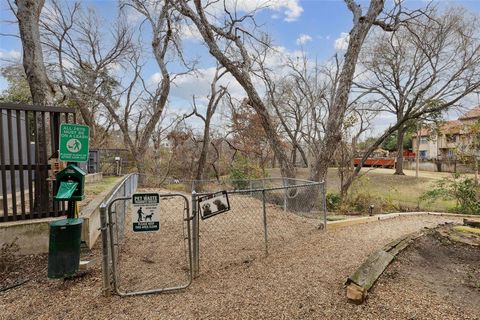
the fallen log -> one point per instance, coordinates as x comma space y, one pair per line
367, 274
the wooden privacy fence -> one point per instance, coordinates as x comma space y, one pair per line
29, 136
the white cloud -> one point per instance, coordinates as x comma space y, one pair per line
341, 43
303, 39
10, 55
291, 9
187, 85
198, 83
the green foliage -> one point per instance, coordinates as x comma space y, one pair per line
244, 169
334, 200
363, 145
17, 86
390, 143
459, 188
361, 197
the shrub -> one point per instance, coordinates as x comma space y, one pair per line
243, 170
334, 200
459, 188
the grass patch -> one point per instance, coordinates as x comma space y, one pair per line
98, 187
388, 192
336, 218
467, 229
176, 187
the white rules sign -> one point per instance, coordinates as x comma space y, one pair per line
146, 212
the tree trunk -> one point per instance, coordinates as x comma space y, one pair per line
204, 152
87, 116
361, 27
476, 169
417, 151
28, 14
399, 163
294, 156
141, 168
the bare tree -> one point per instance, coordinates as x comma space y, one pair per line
291, 95
226, 42
228, 37
27, 13
423, 68
87, 58
84, 58
357, 122
214, 98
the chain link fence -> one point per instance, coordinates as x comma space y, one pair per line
264, 215
153, 260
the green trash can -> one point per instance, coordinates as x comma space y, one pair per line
64, 248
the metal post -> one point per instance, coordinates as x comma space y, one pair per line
324, 205
265, 231
112, 244
105, 265
195, 236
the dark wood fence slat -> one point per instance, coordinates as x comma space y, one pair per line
18, 135
36, 200
45, 204
54, 128
29, 164
3, 171
11, 159
20, 162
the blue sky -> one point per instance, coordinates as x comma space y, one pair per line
315, 26
321, 21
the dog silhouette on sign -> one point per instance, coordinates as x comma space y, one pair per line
206, 209
220, 205
149, 216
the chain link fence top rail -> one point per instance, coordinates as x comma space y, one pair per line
264, 215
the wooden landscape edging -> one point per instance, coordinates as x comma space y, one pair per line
365, 277
366, 219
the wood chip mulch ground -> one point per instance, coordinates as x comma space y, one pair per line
302, 279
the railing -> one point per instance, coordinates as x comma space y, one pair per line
29, 136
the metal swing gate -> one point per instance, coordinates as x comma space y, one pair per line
147, 262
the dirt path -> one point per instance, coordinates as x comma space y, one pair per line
301, 280
433, 270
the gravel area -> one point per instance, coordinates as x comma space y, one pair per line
301, 279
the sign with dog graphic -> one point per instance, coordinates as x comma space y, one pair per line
213, 204
146, 212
